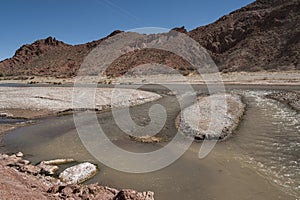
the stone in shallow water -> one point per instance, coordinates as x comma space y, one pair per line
211, 117
19, 154
78, 173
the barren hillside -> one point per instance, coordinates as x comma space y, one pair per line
264, 35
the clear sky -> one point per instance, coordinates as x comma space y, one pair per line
80, 21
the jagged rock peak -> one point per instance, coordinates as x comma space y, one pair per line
114, 33
49, 41
180, 29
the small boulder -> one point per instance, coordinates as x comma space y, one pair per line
132, 194
13, 160
24, 162
30, 169
48, 169
19, 154
3, 156
78, 173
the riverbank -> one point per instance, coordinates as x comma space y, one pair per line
239, 78
22, 180
49, 100
31, 103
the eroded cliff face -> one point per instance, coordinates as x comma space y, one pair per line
265, 35
48, 57
262, 35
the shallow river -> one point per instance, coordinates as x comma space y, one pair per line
261, 160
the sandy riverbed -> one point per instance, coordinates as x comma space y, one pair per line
58, 99
254, 78
36, 102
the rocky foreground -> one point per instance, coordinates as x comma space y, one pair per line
205, 120
22, 180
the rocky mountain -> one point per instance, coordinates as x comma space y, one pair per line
265, 35
48, 57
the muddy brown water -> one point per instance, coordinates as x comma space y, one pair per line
259, 161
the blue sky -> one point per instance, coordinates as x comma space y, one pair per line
80, 21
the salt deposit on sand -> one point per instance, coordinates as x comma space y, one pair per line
58, 99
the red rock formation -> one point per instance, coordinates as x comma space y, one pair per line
264, 35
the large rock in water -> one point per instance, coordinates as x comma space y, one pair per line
78, 173
207, 120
